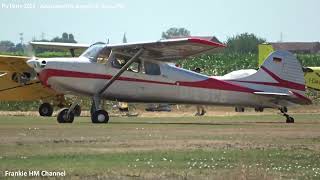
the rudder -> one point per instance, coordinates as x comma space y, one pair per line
284, 65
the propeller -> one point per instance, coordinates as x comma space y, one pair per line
28, 51
32, 62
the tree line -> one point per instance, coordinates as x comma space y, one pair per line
9, 46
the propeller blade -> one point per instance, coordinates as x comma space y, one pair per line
28, 50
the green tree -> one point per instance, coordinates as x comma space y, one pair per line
19, 47
71, 38
175, 33
124, 39
65, 38
7, 46
244, 43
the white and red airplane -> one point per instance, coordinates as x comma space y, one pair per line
144, 72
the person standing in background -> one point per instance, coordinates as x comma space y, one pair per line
200, 108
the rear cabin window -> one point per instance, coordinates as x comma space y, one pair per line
151, 68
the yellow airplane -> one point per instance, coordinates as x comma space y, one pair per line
311, 76
18, 82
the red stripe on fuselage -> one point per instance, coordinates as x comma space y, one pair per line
303, 98
209, 83
280, 83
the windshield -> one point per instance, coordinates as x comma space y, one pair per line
93, 51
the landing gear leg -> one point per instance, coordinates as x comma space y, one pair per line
67, 115
77, 110
284, 111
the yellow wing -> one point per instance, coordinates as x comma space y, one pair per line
13, 90
313, 78
13, 63
33, 90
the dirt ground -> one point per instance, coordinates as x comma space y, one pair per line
183, 111
245, 145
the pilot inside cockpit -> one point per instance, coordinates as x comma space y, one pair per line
118, 63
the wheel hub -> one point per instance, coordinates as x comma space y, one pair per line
101, 117
45, 110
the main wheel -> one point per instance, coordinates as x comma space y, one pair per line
77, 110
239, 109
45, 109
100, 116
290, 120
258, 109
64, 118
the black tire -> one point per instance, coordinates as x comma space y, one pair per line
239, 109
45, 109
290, 120
62, 116
100, 116
258, 109
77, 110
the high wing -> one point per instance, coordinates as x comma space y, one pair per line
290, 96
167, 50
162, 50
14, 63
62, 46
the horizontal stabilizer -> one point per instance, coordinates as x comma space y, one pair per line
271, 94
290, 96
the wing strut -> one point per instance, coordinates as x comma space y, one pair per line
125, 67
97, 96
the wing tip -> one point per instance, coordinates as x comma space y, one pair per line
206, 42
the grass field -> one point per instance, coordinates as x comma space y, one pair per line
217, 147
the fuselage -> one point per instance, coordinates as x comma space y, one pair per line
80, 76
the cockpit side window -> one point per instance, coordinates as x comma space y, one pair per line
119, 61
151, 68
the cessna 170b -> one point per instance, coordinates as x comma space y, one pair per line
145, 72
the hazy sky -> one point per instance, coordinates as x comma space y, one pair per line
97, 20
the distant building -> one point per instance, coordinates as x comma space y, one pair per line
294, 47
297, 47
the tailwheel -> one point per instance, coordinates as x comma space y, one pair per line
284, 111
63, 116
100, 116
45, 109
77, 110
